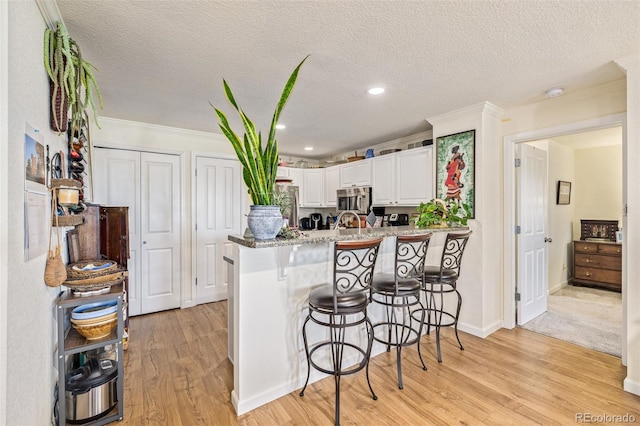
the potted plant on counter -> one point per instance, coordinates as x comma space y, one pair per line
438, 213
259, 164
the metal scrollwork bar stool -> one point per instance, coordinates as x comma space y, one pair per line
340, 306
399, 293
440, 280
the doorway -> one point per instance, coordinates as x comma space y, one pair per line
510, 270
590, 163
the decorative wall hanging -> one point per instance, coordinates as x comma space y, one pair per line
563, 195
455, 169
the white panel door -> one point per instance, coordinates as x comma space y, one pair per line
149, 184
160, 231
532, 219
116, 175
218, 214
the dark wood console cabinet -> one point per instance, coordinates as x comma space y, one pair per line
597, 264
105, 235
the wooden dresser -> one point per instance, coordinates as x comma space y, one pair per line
597, 264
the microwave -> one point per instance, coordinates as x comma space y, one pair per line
356, 199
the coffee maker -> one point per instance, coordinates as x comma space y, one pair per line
315, 220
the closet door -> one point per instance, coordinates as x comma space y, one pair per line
116, 182
219, 191
160, 232
149, 184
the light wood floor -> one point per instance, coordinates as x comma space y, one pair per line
177, 373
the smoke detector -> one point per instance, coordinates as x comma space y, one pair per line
554, 92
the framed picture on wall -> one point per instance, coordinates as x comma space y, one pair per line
564, 192
455, 169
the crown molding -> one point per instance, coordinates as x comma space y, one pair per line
156, 127
628, 62
50, 12
476, 109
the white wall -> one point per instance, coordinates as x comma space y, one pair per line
31, 335
560, 162
481, 275
598, 185
4, 249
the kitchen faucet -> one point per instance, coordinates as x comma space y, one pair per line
347, 212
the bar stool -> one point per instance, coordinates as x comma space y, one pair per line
440, 280
339, 306
399, 293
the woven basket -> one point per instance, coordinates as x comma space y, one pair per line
73, 273
92, 286
93, 332
112, 276
65, 183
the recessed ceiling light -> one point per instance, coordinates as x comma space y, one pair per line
280, 126
554, 92
308, 148
376, 90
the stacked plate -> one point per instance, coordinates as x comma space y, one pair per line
95, 320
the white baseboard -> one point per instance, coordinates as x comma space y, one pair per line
480, 332
631, 386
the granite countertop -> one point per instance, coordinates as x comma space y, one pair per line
323, 236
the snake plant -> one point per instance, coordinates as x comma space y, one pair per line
259, 165
71, 77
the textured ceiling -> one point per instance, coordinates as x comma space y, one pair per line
162, 62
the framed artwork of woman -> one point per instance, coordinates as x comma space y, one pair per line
455, 169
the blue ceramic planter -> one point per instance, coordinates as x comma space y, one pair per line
264, 221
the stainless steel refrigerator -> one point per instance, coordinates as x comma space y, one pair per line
292, 202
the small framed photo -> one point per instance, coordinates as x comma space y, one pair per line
73, 243
564, 192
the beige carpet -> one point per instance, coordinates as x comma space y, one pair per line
585, 316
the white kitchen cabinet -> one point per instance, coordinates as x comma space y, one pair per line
403, 179
282, 173
313, 184
296, 176
383, 190
331, 185
357, 173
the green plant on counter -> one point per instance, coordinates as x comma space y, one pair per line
283, 200
259, 165
73, 84
437, 212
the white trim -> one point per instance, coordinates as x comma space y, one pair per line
472, 110
138, 148
156, 127
509, 272
4, 202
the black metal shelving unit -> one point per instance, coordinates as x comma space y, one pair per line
70, 342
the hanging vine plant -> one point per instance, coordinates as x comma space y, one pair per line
72, 82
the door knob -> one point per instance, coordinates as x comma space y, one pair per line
144, 242
548, 240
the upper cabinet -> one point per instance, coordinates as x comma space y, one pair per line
331, 185
313, 184
357, 173
404, 178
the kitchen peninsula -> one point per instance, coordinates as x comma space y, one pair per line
269, 282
